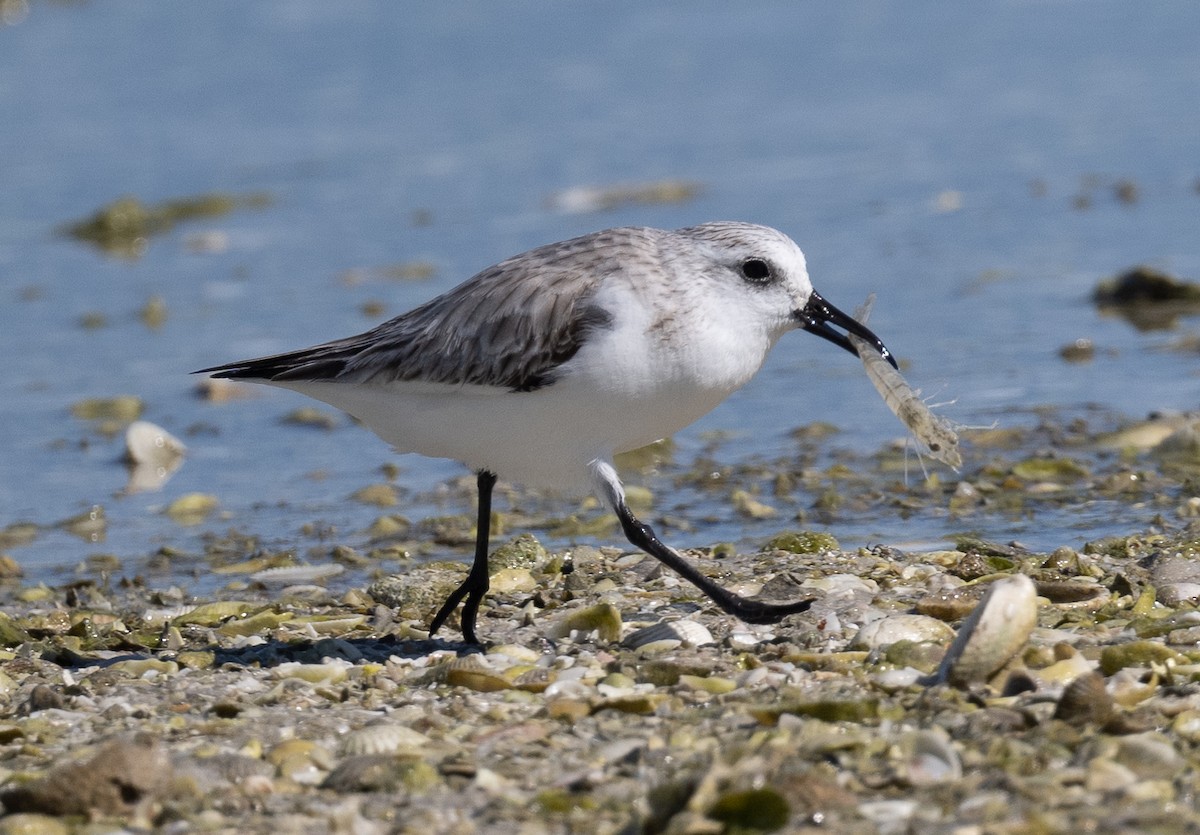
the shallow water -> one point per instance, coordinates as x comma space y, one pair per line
963, 164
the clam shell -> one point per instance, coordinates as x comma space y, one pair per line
472, 673
929, 758
382, 738
535, 679
153, 454
1085, 700
669, 634
1074, 594
290, 574
894, 628
992, 634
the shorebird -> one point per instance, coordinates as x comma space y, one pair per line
545, 366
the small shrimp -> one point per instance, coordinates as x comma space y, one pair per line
936, 433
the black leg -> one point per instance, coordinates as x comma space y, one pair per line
476, 585
751, 611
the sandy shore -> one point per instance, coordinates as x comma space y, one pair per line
300, 710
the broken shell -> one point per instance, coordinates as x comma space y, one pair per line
291, 574
1074, 594
603, 619
534, 679
930, 758
210, 614
331, 672
993, 634
474, 674
140, 667
1137, 654
669, 635
153, 454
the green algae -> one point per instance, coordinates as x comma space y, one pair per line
123, 227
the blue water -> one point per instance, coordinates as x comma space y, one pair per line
928, 152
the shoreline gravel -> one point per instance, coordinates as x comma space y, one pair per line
298, 710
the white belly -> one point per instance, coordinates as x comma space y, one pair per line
543, 438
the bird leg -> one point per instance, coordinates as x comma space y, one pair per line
751, 611
476, 585
644, 537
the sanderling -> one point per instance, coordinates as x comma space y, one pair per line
543, 367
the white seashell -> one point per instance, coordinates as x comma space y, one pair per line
893, 628
992, 634
929, 758
897, 679
153, 454
742, 640
382, 738
289, 574
1174, 594
670, 634
567, 688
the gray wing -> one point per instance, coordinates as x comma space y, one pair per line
511, 325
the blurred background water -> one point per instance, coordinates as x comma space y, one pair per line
978, 166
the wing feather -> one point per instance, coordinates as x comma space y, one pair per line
511, 325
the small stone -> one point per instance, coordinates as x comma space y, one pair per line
32, 824
746, 505
42, 697
523, 551
123, 408
154, 312
513, 580
1081, 350
379, 495
192, 508
568, 709
755, 810
117, 780
1150, 756
1136, 654
312, 417
802, 542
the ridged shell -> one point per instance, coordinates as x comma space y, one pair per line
1085, 701
669, 634
473, 674
382, 738
535, 680
288, 574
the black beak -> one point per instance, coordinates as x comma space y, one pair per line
819, 315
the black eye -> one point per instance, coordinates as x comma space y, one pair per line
756, 270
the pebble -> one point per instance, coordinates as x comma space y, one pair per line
122, 778
315, 713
